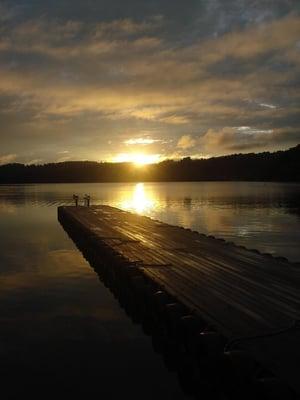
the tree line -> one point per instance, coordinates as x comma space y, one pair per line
277, 166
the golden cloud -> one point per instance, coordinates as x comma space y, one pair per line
123, 70
186, 142
7, 158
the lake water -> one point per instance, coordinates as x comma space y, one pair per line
61, 327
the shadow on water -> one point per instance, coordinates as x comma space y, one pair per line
202, 367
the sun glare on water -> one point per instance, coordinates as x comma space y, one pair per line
139, 200
139, 159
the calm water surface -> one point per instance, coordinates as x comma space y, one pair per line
60, 327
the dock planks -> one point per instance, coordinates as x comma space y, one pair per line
242, 293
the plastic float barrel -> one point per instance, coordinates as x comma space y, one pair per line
140, 287
173, 312
268, 255
115, 268
156, 312
169, 319
254, 251
160, 300
171, 351
273, 389
207, 343
240, 365
137, 286
233, 371
124, 285
282, 259
137, 283
191, 379
189, 327
128, 273
150, 291
158, 339
150, 315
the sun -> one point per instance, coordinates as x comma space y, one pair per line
143, 159
138, 159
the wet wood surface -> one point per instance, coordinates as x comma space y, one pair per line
242, 293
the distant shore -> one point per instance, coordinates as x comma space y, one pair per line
280, 166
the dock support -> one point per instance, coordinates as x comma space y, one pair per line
76, 198
187, 340
87, 200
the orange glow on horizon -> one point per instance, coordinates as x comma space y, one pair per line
139, 159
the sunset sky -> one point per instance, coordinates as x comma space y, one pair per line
119, 80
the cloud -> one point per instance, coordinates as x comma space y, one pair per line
254, 41
272, 106
175, 119
35, 161
74, 39
7, 13
80, 79
247, 139
186, 142
63, 159
128, 26
7, 158
141, 141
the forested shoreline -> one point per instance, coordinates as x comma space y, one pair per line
281, 166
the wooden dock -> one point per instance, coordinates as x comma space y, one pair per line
252, 299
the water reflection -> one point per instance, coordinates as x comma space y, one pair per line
61, 330
53, 308
7, 208
257, 215
140, 200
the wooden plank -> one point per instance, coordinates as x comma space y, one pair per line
265, 288
243, 293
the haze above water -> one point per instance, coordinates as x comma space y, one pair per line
61, 326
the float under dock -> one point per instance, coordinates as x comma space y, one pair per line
240, 292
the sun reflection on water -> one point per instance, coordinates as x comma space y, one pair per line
140, 200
